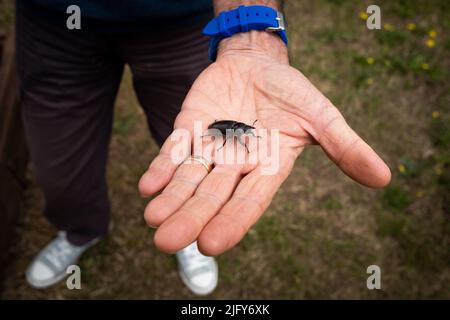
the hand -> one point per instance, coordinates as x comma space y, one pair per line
248, 81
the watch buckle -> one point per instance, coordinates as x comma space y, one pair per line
281, 25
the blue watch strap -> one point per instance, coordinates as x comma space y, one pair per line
243, 19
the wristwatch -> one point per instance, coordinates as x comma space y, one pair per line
243, 19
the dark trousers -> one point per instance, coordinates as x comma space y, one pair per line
69, 81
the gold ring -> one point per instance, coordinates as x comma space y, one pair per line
205, 163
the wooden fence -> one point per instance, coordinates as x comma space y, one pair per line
13, 151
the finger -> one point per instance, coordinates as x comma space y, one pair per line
345, 148
162, 167
184, 226
181, 187
251, 198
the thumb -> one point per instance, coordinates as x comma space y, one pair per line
344, 147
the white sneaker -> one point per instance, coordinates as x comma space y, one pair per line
50, 265
198, 272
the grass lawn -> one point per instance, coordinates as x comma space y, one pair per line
322, 230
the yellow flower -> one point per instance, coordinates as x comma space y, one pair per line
369, 81
401, 168
363, 15
388, 27
419, 194
425, 66
370, 60
438, 171
430, 43
411, 26
435, 114
432, 33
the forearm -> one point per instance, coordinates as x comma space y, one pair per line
259, 42
225, 5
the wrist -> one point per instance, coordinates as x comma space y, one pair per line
248, 30
225, 5
259, 43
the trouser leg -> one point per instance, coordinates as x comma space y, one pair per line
164, 66
69, 82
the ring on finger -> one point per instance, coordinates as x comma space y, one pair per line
205, 163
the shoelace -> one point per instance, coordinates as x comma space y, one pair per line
60, 253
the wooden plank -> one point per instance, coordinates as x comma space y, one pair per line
11, 194
8, 94
13, 152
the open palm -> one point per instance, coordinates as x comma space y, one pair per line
218, 208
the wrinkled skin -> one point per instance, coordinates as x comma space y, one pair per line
218, 208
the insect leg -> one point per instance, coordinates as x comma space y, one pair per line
243, 143
253, 134
224, 141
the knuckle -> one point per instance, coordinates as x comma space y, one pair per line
202, 194
150, 218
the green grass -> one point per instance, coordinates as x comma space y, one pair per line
7, 14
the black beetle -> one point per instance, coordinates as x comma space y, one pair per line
232, 129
